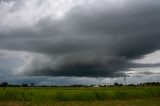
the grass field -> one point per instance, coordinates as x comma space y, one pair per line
112, 96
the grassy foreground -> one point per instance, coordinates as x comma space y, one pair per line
137, 102
113, 96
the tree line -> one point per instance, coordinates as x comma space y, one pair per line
6, 84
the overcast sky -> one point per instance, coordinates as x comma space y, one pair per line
79, 41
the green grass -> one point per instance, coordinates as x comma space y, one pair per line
112, 95
135, 102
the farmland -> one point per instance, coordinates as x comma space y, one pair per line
66, 96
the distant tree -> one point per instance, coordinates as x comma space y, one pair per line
24, 85
32, 84
133, 85
4, 84
117, 84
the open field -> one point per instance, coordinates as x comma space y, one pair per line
112, 96
137, 102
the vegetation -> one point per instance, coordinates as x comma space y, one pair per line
147, 94
27, 94
137, 102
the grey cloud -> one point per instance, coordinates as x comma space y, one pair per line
47, 80
6, 0
140, 65
16, 5
148, 73
86, 39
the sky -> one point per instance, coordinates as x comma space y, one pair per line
63, 42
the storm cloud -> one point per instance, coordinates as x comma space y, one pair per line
90, 39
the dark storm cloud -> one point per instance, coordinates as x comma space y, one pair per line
111, 67
91, 41
81, 68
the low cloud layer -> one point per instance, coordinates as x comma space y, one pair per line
90, 39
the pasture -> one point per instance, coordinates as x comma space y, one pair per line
65, 96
